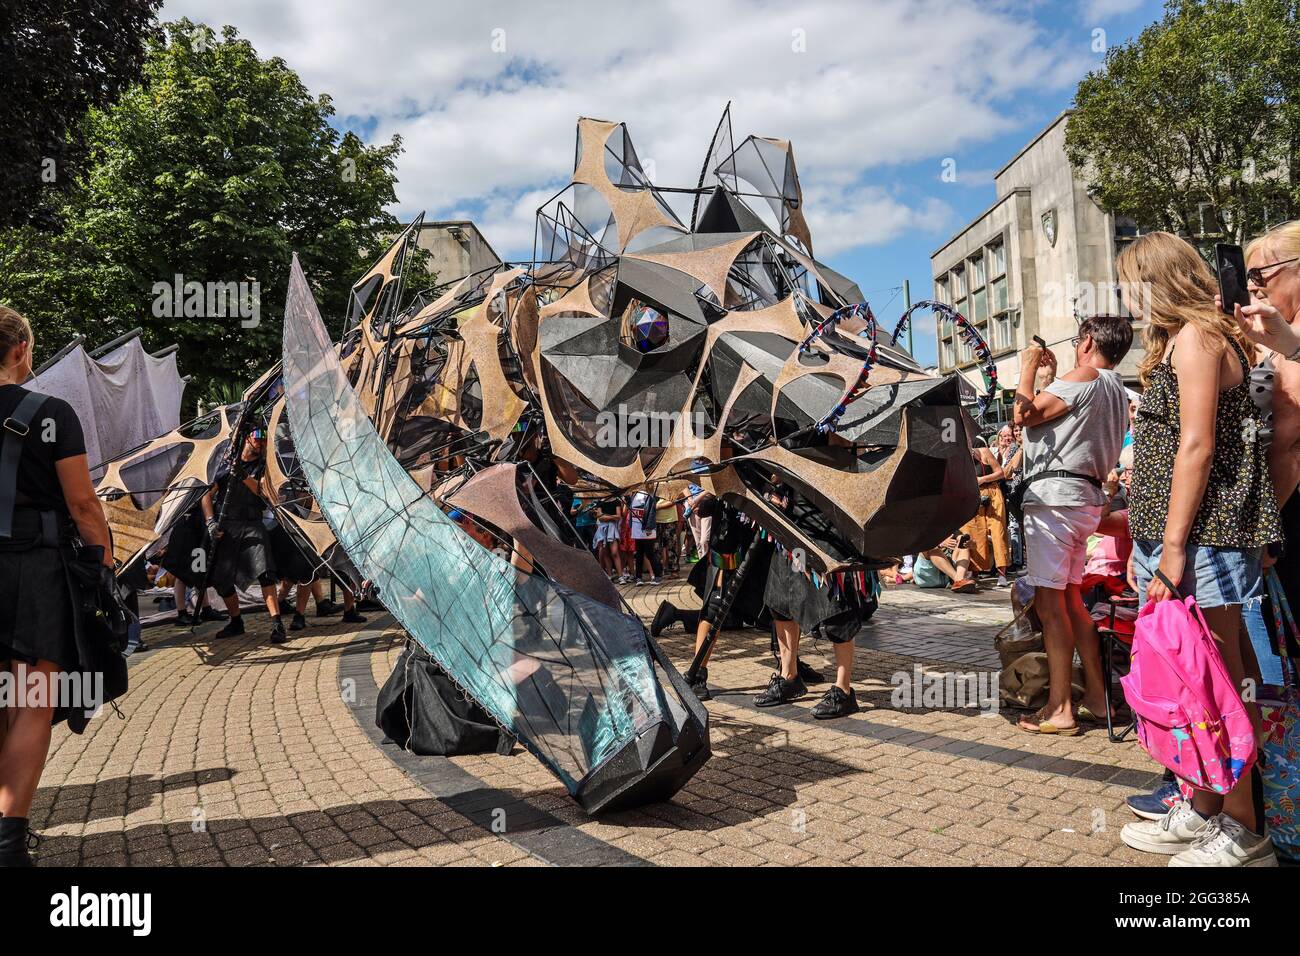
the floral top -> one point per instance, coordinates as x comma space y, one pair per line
1239, 509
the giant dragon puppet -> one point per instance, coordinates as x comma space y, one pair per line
753, 362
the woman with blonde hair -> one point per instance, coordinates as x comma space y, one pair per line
49, 501
1273, 278
1201, 511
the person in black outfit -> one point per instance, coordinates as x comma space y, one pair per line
53, 502
181, 558
242, 543
799, 606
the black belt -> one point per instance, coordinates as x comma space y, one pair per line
1039, 476
50, 534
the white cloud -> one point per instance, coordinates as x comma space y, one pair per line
866, 216
487, 133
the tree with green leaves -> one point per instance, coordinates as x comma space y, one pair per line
58, 58
206, 176
1194, 126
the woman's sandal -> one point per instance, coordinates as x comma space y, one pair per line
1047, 728
1085, 714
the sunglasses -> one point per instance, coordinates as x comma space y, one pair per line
1257, 276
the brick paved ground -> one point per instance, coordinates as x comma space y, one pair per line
242, 753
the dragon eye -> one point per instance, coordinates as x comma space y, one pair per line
647, 327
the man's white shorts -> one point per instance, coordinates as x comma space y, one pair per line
1056, 543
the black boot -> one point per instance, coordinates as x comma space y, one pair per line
664, 618
836, 703
700, 686
327, 608
234, 627
781, 691
298, 622
809, 674
13, 842
351, 616
277, 631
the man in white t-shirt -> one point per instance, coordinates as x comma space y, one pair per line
1073, 432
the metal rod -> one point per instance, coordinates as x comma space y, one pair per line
729, 595
60, 354
907, 304
120, 340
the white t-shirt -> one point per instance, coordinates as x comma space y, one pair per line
637, 508
1085, 440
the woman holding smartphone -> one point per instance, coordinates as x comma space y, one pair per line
1201, 511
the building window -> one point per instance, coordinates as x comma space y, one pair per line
979, 296
941, 290
1001, 333
964, 353
949, 354
959, 300
1208, 215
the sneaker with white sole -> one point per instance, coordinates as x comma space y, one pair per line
1225, 843
1176, 831
1154, 805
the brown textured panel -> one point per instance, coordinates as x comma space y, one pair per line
491, 496
634, 210
709, 265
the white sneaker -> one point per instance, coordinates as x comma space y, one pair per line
1225, 842
1003, 582
1176, 831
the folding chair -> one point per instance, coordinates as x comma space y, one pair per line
1111, 640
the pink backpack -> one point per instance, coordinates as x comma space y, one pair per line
1190, 716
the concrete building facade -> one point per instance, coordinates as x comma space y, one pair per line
456, 248
1038, 260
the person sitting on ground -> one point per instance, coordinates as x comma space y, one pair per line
948, 565
1073, 431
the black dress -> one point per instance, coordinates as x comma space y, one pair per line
243, 554
36, 608
820, 611
179, 557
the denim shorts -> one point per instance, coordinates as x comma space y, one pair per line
1216, 577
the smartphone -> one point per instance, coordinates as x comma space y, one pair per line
1038, 340
1231, 262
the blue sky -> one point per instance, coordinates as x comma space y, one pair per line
875, 96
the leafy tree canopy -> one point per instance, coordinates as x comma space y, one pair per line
57, 59
215, 168
1194, 126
